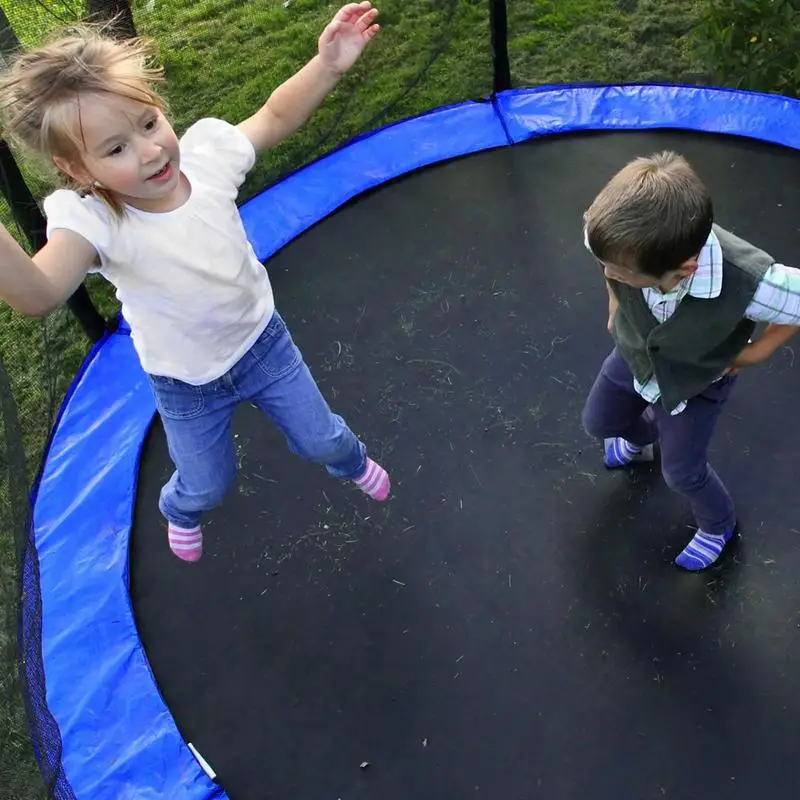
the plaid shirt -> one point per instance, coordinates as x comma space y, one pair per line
777, 299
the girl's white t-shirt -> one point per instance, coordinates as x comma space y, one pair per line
191, 287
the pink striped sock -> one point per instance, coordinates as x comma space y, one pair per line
374, 481
186, 543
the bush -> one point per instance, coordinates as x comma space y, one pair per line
752, 44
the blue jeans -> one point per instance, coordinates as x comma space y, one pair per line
198, 423
615, 409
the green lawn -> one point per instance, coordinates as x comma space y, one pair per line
223, 58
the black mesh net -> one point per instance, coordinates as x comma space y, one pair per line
223, 58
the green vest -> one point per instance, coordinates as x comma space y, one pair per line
698, 343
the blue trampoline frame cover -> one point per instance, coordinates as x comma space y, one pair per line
118, 737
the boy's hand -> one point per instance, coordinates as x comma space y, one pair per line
613, 304
344, 39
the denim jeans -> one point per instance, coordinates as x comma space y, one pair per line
615, 409
198, 423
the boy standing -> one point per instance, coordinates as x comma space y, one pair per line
684, 299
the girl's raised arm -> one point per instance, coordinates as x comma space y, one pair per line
295, 100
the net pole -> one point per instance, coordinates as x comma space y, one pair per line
498, 19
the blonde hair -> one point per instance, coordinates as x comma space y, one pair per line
40, 93
652, 216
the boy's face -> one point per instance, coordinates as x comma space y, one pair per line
641, 280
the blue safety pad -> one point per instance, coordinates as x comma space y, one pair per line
561, 109
119, 739
276, 216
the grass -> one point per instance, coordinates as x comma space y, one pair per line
605, 42
428, 54
222, 58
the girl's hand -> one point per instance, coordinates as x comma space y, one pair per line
344, 39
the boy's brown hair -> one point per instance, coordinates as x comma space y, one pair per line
652, 216
40, 93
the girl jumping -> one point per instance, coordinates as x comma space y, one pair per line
157, 217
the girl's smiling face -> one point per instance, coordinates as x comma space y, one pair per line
129, 149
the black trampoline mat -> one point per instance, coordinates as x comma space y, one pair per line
510, 625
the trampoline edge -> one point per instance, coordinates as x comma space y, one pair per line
91, 656
82, 516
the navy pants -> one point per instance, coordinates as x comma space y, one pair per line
614, 408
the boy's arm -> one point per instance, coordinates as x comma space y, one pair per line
294, 101
35, 286
773, 338
776, 302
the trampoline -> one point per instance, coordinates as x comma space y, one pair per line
510, 625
